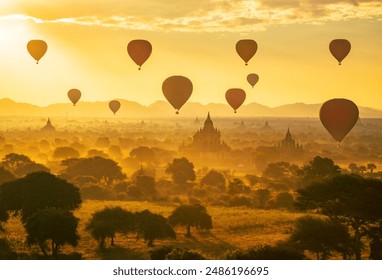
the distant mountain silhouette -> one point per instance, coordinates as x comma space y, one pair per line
162, 109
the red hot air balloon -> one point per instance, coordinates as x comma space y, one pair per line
339, 117
235, 97
37, 49
246, 49
339, 48
74, 95
252, 79
139, 51
114, 106
177, 90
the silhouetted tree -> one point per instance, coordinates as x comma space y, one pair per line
6, 250
184, 254
321, 237
97, 153
277, 252
371, 166
362, 169
30, 168
5, 175
152, 227
281, 169
262, 195
57, 225
353, 168
143, 154
102, 142
65, 152
252, 179
318, 169
283, 200
191, 216
97, 167
182, 170
237, 186
350, 199
38, 191
13, 161
146, 185
108, 222
213, 178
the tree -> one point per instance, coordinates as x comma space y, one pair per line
38, 191
237, 186
191, 216
153, 226
13, 161
101, 168
321, 237
213, 178
108, 222
349, 199
65, 152
182, 170
318, 169
5, 175
102, 142
6, 250
371, 166
284, 200
143, 154
57, 225
252, 179
267, 252
146, 184
262, 195
362, 169
30, 168
353, 168
280, 169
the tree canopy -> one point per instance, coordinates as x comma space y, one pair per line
182, 170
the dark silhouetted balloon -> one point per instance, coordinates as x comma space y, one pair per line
114, 106
246, 49
252, 79
339, 117
74, 95
235, 97
177, 90
139, 51
340, 48
37, 49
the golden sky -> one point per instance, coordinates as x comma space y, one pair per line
87, 42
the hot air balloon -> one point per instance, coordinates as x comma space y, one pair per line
114, 106
74, 95
235, 97
139, 51
252, 79
246, 49
177, 90
338, 117
37, 49
340, 48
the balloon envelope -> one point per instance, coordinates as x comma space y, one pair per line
37, 49
339, 116
246, 49
139, 51
235, 97
252, 79
114, 106
177, 90
339, 48
74, 95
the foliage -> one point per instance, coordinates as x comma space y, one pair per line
184, 254
37, 191
191, 216
283, 200
240, 200
57, 225
280, 169
262, 196
65, 152
237, 186
5, 175
321, 237
6, 250
318, 169
143, 154
182, 170
30, 168
108, 222
213, 178
20, 165
267, 252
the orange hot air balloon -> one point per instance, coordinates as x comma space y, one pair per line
339, 117
37, 49
74, 95
246, 49
139, 51
177, 90
340, 48
235, 97
114, 106
252, 79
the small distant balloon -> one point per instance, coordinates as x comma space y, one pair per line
114, 106
246, 49
235, 97
339, 116
177, 90
37, 49
252, 79
74, 95
139, 51
339, 48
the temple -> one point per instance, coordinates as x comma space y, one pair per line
48, 127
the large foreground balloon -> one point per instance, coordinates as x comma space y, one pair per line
74, 95
339, 117
177, 90
139, 51
246, 49
235, 97
340, 48
114, 106
37, 49
252, 79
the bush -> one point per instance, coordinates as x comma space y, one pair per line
240, 200
160, 253
184, 254
96, 192
6, 250
278, 252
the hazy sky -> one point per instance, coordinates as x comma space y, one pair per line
87, 42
